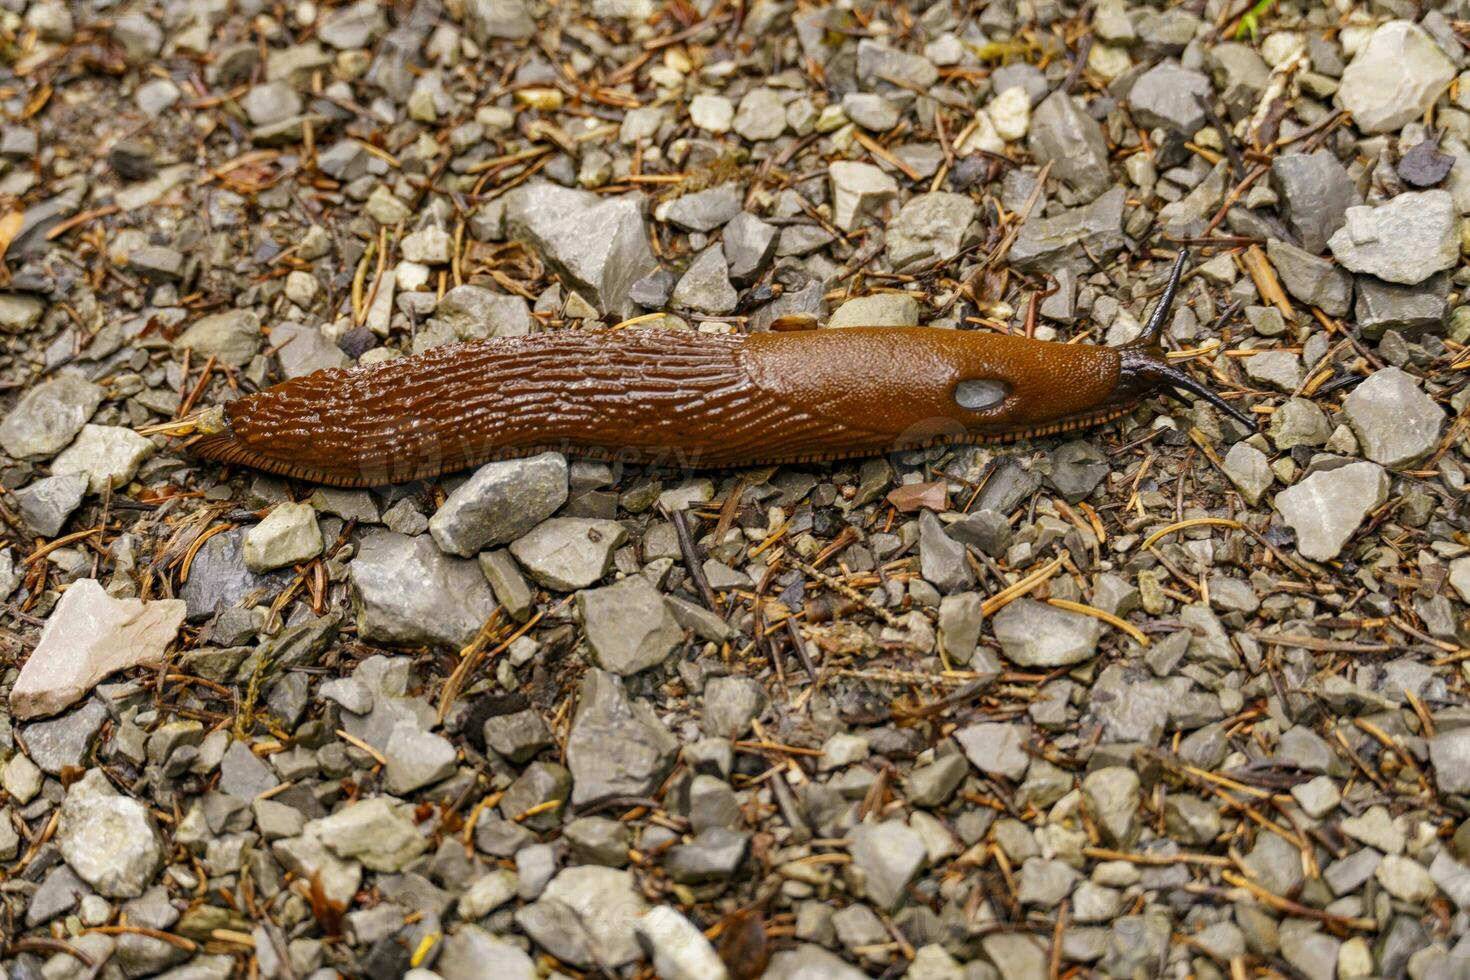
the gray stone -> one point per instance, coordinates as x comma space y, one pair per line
617, 746
934, 784
491, 19
49, 416
500, 503
942, 560
996, 748
509, 585
883, 67
1249, 470
529, 799
599, 840
1044, 882
715, 854
472, 953
871, 111
761, 115
271, 102
877, 310
569, 553
471, 312
1394, 77
46, 504
749, 244
1311, 279
1298, 422
1077, 467
704, 210
960, 620
730, 705
107, 455
351, 26
244, 774
303, 349
890, 855
677, 946
628, 626
1073, 142
705, 286
1112, 797
406, 591
1324, 509
859, 190
1035, 634
1408, 310
598, 246
111, 841
1168, 95
809, 961
1277, 369
1315, 192
1449, 752
1405, 240
586, 917
1394, 420
289, 535
379, 832
416, 758
1073, 238
231, 338
19, 312
929, 228
518, 736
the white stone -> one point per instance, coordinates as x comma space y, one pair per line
289, 535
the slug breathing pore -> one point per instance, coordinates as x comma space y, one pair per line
685, 399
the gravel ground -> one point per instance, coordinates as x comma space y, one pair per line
1168, 698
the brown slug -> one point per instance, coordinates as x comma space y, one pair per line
685, 399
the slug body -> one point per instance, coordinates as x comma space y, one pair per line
678, 398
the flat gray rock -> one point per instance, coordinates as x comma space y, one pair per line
1324, 509
1405, 240
628, 626
569, 553
406, 591
586, 917
1073, 142
929, 228
500, 502
231, 338
890, 854
1315, 192
1311, 279
1034, 634
705, 286
49, 416
1074, 238
1394, 78
1168, 95
617, 746
110, 840
1394, 420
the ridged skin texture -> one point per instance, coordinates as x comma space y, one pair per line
677, 398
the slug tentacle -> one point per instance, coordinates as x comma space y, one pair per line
1144, 368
